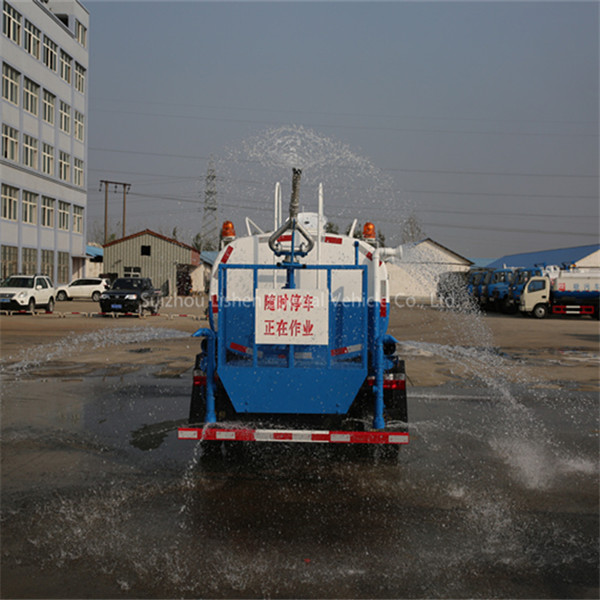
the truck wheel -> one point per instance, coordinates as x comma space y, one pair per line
50, 305
61, 296
540, 311
31, 306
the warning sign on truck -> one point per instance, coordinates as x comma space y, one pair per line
292, 316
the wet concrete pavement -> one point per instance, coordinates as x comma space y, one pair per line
495, 496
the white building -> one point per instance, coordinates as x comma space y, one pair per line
43, 165
416, 275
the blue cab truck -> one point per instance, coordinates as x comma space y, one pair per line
495, 289
521, 277
297, 348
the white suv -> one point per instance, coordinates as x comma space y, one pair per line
26, 292
87, 288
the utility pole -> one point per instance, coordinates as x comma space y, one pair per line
210, 234
126, 188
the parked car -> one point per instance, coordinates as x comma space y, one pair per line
130, 295
88, 288
27, 292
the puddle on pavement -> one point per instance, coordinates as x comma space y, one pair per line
495, 496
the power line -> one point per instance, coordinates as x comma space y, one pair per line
385, 170
355, 127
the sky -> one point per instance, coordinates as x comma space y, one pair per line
479, 119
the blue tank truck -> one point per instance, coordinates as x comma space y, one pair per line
297, 349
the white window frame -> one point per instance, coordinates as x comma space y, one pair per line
29, 207
78, 172
48, 212
78, 127
64, 166
10, 84
10, 142
31, 96
65, 117
81, 33
10, 202
49, 107
78, 219
50, 53
32, 39
30, 151
48, 159
79, 78
66, 66
64, 211
11, 23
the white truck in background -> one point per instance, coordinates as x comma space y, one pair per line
562, 293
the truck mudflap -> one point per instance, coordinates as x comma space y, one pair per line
233, 434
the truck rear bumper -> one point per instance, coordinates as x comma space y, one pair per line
211, 433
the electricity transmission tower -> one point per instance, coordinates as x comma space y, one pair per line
210, 232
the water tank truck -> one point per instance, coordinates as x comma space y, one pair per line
565, 293
297, 349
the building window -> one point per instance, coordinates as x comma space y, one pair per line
47, 159
63, 215
81, 33
50, 53
64, 166
65, 66
31, 96
11, 23
30, 151
145, 251
49, 103
78, 219
78, 126
29, 260
132, 271
29, 207
47, 266
32, 40
62, 275
78, 172
10, 142
9, 262
10, 201
65, 117
47, 211
10, 84
79, 78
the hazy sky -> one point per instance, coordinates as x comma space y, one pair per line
481, 118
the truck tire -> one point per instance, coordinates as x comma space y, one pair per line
31, 306
61, 296
540, 311
50, 306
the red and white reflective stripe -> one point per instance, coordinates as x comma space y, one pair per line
383, 308
346, 350
391, 381
227, 254
576, 309
293, 435
285, 238
329, 239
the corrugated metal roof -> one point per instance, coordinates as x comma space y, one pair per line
94, 251
209, 256
559, 256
